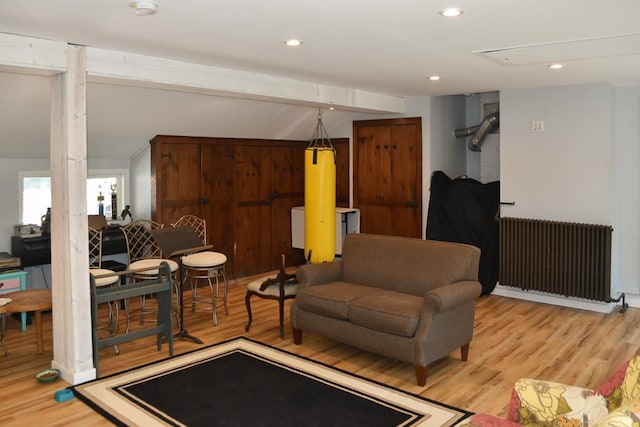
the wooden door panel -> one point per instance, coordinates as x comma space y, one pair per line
388, 177
218, 208
374, 175
404, 181
253, 242
177, 186
253, 180
244, 189
341, 146
288, 191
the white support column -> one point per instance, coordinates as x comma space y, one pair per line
72, 348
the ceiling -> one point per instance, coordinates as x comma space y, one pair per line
383, 47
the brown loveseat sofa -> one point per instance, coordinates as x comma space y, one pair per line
408, 299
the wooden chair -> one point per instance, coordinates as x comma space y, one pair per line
281, 287
206, 266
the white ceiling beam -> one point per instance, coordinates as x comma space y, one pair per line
29, 55
129, 69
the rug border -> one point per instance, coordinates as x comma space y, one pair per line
102, 411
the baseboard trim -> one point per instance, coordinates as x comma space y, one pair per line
579, 303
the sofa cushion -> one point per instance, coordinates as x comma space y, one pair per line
331, 299
387, 311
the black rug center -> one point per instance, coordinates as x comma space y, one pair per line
237, 389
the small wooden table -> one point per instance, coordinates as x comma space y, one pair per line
35, 300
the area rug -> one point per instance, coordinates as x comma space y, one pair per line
242, 382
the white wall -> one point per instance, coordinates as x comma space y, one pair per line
448, 154
141, 184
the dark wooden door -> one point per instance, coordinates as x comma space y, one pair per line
341, 146
253, 209
217, 192
388, 176
288, 191
175, 169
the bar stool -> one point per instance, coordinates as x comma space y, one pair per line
206, 265
144, 254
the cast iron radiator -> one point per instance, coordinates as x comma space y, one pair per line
562, 258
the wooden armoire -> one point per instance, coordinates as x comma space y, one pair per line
243, 188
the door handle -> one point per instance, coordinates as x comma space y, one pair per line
412, 204
205, 201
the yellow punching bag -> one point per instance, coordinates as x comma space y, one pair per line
319, 199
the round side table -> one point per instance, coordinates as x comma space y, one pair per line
35, 300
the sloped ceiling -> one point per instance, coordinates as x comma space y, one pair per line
385, 47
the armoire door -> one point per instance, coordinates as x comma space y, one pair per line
287, 192
388, 176
175, 168
217, 194
253, 213
243, 188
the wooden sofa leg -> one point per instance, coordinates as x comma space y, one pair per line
297, 336
464, 352
421, 375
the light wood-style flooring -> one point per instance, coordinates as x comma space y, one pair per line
513, 339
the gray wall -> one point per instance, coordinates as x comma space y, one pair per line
582, 168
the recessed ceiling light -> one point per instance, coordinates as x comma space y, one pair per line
144, 7
293, 42
555, 66
451, 12
434, 78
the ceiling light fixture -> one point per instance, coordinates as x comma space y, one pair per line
434, 78
144, 7
451, 12
555, 66
293, 42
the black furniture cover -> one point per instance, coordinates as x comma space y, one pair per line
466, 211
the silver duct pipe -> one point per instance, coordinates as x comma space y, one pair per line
480, 131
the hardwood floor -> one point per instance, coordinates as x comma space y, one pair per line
512, 339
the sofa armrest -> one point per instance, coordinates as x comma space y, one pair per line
538, 401
452, 295
315, 274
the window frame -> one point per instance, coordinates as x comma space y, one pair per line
121, 175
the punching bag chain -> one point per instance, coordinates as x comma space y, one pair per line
320, 136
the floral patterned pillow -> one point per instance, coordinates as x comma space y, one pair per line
546, 403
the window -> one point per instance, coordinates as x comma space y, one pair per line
35, 193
